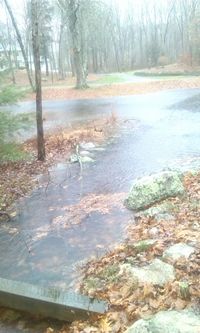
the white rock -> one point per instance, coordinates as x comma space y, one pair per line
178, 250
157, 273
168, 322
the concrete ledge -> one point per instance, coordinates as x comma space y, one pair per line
48, 302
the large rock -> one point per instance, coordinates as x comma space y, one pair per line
152, 189
168, 322
157, 273
177, 251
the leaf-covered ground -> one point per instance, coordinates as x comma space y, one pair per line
109, 90
17, 179
128, 299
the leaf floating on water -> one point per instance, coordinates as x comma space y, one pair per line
105, 326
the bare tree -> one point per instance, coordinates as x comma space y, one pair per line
76, 11
36, 56
19, 38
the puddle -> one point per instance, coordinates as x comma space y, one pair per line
81, 215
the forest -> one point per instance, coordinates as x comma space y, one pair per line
81, 37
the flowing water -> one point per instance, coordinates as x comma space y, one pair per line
47, 239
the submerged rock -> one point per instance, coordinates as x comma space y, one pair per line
80, 159
178, 250
85, 153
73, 158
87, 145
157, 273
152, 189
185, 321
86, 159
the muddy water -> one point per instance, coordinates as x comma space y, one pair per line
56, 228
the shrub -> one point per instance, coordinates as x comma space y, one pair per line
9, 124
10, 94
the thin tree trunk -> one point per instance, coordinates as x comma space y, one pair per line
11, 68
46, 65
60, 55
36, 55
20, 43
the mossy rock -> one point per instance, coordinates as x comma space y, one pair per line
147, 191
168, 322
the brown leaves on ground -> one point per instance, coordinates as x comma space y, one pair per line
103, 279
18, 178
60, 142
56, 93
99, 203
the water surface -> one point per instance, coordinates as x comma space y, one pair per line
45, 242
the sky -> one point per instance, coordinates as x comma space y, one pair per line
18, 6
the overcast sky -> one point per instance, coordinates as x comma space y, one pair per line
18, 6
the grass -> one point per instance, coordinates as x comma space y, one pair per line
110, 79
11, 152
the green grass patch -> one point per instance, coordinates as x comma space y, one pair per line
11, 152
110, 79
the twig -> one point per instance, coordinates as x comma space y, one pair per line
48, 182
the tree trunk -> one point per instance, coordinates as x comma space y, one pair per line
20, 43
81, 74
36, 55
46, 65
79, 47
60, 55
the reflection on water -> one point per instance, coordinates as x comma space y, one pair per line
44, 243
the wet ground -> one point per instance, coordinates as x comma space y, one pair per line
47, 239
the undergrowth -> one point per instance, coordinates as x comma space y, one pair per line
10, 94
10, 151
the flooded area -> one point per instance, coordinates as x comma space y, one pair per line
61, 224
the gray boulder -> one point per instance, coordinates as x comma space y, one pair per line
168, 322
152, 189
177, 251
157, 273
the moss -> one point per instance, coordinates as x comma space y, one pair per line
110, 273
143, 245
